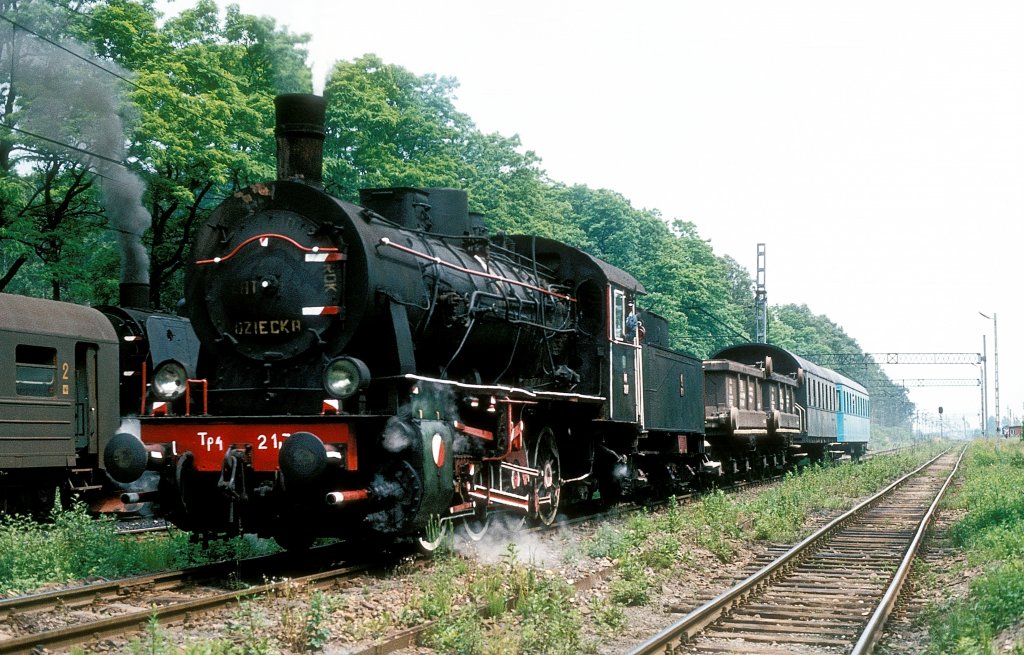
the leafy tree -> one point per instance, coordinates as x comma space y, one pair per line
207, 121
389, 127
202, 94
509, 187
50, 101
271, 58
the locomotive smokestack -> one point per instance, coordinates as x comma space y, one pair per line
134, 294
300, 137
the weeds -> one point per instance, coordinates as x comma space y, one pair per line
992, 534
75, 545
542, 618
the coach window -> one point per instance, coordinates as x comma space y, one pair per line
35, 371
619, 314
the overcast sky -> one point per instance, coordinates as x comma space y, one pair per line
876, 148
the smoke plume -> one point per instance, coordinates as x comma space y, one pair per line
64, 97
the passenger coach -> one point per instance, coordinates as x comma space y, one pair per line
834, 410
58, 398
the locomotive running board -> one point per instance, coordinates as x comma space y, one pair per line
498, 388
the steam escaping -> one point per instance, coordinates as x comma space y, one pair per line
546, 550
398, 435
63, 97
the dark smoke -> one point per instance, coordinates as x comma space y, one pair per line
70, 101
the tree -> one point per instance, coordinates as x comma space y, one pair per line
510, 188
389, 127
200, 126
53, 99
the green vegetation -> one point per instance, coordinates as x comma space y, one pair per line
252, 630
76, 546
778, 514
542, 617
648, 548
992, 534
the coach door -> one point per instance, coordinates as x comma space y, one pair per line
626, 375
85, 395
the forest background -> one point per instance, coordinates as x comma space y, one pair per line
121, 131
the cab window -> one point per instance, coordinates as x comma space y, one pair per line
619, 314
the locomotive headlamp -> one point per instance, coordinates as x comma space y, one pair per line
169, 380
344, 376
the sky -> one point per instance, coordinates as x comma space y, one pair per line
875, 147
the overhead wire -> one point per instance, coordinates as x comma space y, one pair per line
16, 25
124, 78
68, 146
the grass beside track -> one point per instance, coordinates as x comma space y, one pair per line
992, 537
75, 546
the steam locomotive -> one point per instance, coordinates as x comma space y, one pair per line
71, 376
376, 369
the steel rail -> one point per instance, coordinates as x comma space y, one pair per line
133, 621
873, 630
682, 630
85, 594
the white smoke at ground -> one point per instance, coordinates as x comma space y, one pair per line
64, 98
506, 535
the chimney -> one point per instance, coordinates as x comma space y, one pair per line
134, 294
300, 137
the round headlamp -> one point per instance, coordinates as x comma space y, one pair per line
169, 380
344, 376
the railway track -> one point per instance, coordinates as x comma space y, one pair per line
168, 597
832, 592
201, 584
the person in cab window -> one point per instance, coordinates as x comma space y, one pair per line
634, 326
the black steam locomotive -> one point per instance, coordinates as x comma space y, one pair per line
371, 369
71, 377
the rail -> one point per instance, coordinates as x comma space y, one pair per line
683, 630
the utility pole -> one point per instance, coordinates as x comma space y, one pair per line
984, 387
760, 299
995, 348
